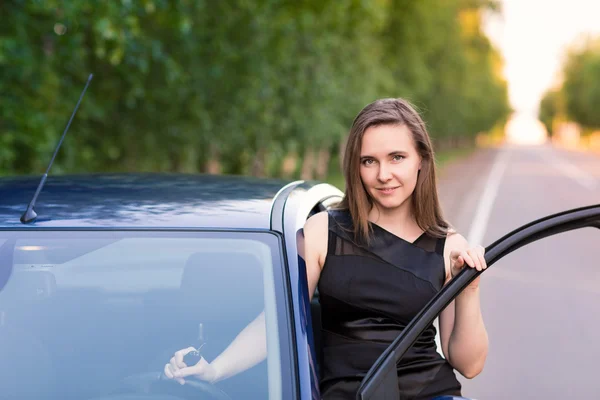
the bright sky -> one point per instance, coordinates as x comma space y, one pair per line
532, 36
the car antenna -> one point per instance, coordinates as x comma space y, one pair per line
30, 215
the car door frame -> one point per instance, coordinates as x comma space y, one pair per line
381, 382
293, 205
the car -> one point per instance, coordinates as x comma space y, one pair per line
116, 272
112, 273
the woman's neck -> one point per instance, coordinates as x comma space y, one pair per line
401, 218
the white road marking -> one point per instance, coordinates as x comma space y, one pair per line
582, 177
486, 201
482, 215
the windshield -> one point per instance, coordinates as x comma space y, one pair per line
97, 315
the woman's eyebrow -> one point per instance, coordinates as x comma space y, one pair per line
392, 153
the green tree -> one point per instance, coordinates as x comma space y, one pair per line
581, 86
232, 86
551, 109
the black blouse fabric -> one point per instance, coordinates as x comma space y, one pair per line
368, 295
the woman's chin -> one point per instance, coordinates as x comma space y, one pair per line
390, 203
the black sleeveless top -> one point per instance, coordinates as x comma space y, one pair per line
368, 294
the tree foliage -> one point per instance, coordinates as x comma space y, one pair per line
179, 84
581, 87
551, 107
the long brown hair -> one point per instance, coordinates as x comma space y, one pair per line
357, 201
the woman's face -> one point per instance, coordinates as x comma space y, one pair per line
389, 164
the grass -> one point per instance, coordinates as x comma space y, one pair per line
442, 158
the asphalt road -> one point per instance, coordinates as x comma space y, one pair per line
541, 304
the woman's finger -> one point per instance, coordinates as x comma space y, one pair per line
456, 260
168, 370
476, 260
174, 365
193, 370
481, 255
455, 256
468, 260
179, 357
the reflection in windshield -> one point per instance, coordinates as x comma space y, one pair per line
96, 317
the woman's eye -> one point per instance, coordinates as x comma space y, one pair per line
367, 162
398, 157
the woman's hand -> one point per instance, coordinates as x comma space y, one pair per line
472, 257
178, 370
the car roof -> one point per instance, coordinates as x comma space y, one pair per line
140, 201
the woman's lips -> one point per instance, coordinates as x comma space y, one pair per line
389, 190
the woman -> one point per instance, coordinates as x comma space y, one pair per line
377, 260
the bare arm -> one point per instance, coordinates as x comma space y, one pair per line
245, 351
315, 248
250, 345
462, 330
251, 342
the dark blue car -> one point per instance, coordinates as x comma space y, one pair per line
117, 272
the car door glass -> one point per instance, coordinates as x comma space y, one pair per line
540, 305
543, 230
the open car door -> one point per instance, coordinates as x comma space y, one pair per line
381, 382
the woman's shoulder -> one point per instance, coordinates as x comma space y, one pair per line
316, 236
329, 217
317, 224
340, 218
338, 221
319, 219
455, 240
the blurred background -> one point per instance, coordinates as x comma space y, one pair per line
270, 87
509, 90
256, 87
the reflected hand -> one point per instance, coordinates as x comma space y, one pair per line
176, 369
472, 257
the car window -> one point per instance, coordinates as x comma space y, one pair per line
548, 298
88, 315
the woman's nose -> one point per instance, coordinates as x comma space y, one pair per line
384, 174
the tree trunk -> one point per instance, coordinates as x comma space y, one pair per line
308, 164
342, 151
322, 166
288, 166
213, 165
259, 163
189, 160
